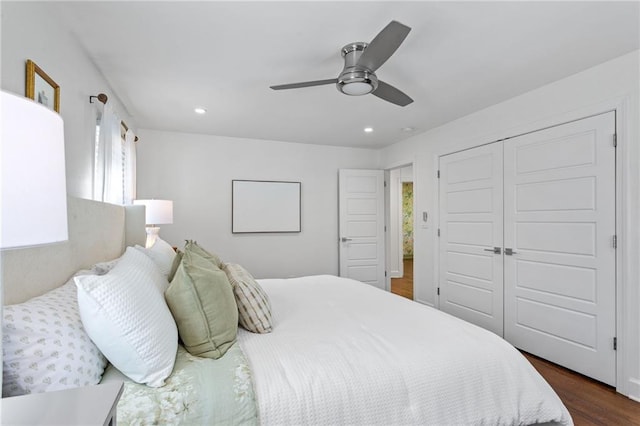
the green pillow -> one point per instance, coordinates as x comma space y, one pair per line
195, 248
174, 266
203, 306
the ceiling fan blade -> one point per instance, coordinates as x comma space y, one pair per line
391, 94
304, 84
383, 45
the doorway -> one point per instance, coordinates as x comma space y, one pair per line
401, 222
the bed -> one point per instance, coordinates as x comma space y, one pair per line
340, 352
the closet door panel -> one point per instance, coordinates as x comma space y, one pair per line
559, 219
471, 274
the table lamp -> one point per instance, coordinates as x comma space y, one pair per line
157, 212
32, 173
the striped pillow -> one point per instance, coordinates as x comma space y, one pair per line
254, 309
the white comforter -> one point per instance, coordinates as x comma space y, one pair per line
343, 352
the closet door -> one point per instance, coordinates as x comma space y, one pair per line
471, 274
560, 222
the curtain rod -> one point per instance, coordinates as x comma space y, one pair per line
126, 128
104, 98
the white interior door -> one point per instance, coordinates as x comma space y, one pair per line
361, 211
471, 277
560, 223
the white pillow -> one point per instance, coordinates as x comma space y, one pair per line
162, 255
104, 267
125, 314
45, 347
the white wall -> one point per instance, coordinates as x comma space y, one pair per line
29, 30
195, 171
611, 85
394, 261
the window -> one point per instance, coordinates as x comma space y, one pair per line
114, 159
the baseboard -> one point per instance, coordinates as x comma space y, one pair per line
634, 389
424, 302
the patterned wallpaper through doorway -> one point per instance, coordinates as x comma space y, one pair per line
407, 219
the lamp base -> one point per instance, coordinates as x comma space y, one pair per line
153, 233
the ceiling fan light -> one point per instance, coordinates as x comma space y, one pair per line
357, 88
356, 82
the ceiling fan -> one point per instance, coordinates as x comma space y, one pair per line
361, 60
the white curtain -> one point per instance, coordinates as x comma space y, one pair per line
129, 150
99, 154
114, 161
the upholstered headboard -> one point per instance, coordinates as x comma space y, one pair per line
97, 232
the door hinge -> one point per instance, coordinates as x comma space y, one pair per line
385, 183
438, 174
385, 273
438, 291
615, 343
385, 228
438, 232
615, 241
615, 140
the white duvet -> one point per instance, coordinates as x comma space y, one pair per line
343, 352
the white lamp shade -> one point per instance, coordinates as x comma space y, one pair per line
157, 212
32, 174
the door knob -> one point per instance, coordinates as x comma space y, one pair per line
345, 239
496, 250
509, 251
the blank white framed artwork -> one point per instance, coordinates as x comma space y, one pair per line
265, 206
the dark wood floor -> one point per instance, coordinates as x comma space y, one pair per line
404, 286
589, 402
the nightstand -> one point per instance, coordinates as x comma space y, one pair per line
89, 405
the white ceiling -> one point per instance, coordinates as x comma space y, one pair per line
165, 58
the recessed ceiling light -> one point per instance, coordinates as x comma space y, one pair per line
368, 129
408, 129
200, 110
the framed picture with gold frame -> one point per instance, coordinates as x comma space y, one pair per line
41, 88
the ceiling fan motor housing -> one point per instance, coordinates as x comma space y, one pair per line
355, 80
